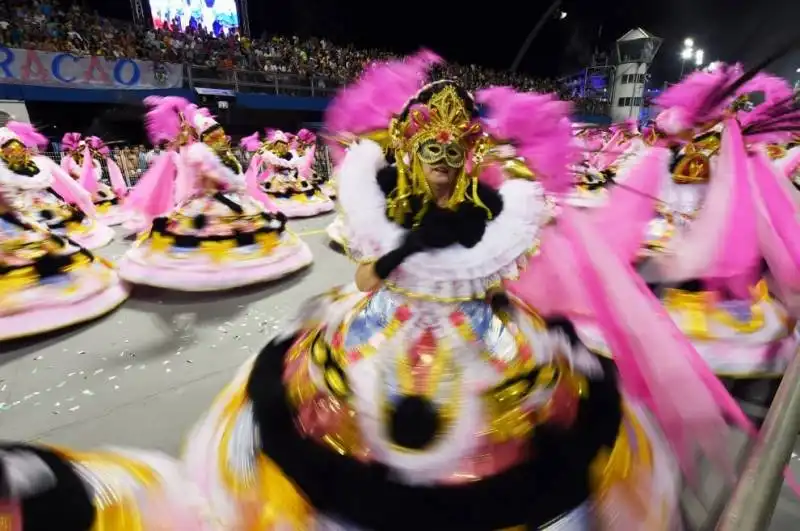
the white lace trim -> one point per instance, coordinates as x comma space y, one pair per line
453, 273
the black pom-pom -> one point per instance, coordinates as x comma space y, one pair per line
280, 216
199, 222
46, 214
414, 423
79, 216
500, 302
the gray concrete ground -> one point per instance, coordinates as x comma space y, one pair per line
142, 375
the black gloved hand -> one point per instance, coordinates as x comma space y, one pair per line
392, 260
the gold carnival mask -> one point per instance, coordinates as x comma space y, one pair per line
434, 153
280, 148
15, 153
217, 139
439, 131
695, 164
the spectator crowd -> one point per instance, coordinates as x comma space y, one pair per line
52, 25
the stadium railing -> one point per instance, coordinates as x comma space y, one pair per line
275, 83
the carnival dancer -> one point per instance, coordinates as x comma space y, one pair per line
614, 161
306, 146
426, 387
278, 169
44, 488
38, 188
727, 272
218, 236
47, 282
83, 160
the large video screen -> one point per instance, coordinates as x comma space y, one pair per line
217, 16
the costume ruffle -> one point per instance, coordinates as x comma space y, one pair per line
214, 241
328, 395
454, 273
47, 283
113, 488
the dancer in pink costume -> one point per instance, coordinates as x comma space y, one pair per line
729, 274
305, 143
83, 160
38, 188
218, 235
278, 169
43, 488
612, 163
424, 397
47, 282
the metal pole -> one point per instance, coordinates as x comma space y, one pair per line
532, 35
756, 494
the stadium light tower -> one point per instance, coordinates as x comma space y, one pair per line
687, 53
244, 18
137, 9
698, 58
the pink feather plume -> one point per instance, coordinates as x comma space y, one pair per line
685, 101
163, 122
383, 89
306, 137
28, 134
70, 141
97, 144
538, 125
251, 143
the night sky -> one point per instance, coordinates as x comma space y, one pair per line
490, 33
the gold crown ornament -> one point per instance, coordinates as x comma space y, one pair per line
439, 131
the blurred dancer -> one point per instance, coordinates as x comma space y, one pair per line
726, 265
39, 188
44, 489
209, 231
84, 161
425, 398
279, 168
47, 281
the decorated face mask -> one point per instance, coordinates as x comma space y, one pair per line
14, 153
434, 153
280, 148
217, 139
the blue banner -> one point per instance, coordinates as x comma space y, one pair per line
64, 70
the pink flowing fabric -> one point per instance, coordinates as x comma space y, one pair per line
154, 194
548, 283
185, 184
779, 230
118, 184
69, 190
721, 246
609, 153
251, 184
657, 363
88, 178
631, 206
308, 164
